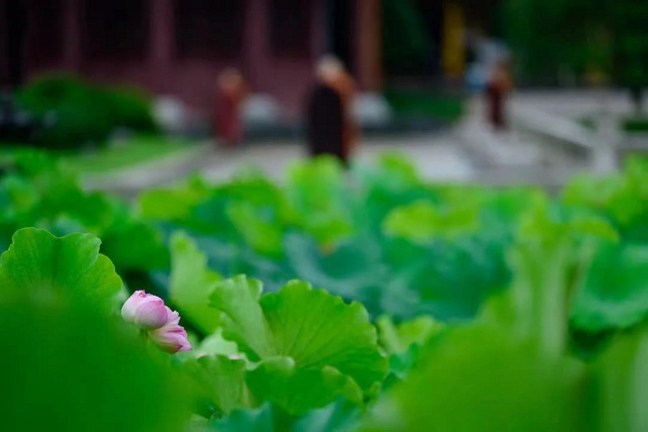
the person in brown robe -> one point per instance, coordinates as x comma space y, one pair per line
346, 88
230, 92
330, 128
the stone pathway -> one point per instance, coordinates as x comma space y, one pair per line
437, 156
468, 152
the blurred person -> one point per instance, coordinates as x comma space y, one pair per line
497, 88
330, 128
231, 90
346, 86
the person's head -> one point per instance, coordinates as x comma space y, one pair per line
328, 69
229, 78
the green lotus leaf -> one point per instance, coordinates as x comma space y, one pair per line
300, 332
614, 292
192, 282
40, 267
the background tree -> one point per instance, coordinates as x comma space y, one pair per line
630, 20
406, 43
557, 41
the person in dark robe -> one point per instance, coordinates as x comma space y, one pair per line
497, 89
325, 116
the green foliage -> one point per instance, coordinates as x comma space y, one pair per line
423, 221
621, 198
341, 231
424, 104
496, 309
57, 302
406, 44
191, 283
481, 379
593, 36
582, 40
129, 107
397, 339
613, 293
40, 266
220, 382
635, 124
311, 346
618, 381
75, 113
340, 416
35, 192
80, 371
631, 42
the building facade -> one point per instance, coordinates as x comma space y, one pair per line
177, 47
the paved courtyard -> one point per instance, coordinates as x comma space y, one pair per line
468, 151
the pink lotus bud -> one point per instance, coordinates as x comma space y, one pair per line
145, 310
162, 324
171, 337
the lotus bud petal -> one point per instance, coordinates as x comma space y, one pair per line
171, 338
145, 310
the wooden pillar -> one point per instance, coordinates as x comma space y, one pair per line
16, 38
453, 58
368, 44
161, 47
319, 29
256, 43
72, 35
4, 55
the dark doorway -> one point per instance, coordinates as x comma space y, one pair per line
432, 15
209, 29
44, 33
290, 28
340, 31
115, 30
13, 20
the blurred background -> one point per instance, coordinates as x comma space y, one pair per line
496, 91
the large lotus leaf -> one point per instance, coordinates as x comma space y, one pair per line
230, 258
252, 420
264, 235
422, 221
397, 339
38, 267
318, 191
619, 390
621, 197
191, 283
614, 292
172, 204
353, 268
42, 199
391, 172
259, 192
69, 368
220, 383
340, 416
551, 222
446, 279
313, 332
481, 379
133, 244
299, 389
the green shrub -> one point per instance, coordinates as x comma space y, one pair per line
130, 107
71, 111
635, 124
76, 113
418, 103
